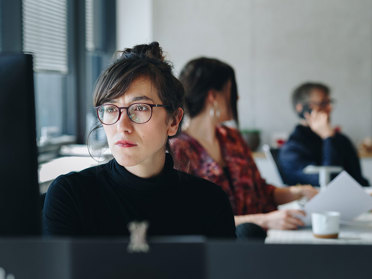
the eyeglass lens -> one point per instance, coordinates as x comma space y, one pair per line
138, 113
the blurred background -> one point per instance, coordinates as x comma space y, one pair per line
274, 45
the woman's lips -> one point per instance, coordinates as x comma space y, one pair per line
124, 143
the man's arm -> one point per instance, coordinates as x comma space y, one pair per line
293, 158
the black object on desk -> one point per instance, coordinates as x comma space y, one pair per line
180, 258
268, 261
62, 258
35, 258
177, 257
19, 190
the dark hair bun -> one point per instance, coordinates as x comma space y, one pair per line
152, 51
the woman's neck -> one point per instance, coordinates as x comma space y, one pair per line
202, 128
150, 167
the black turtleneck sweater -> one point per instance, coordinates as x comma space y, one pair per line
102, 200
304, 147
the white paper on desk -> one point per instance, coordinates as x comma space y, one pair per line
343, 194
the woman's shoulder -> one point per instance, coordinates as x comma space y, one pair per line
227, 129
233, 141
229, 133
87, 173
194, 184
184, 143
74, 180
182, 139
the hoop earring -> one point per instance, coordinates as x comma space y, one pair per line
217, 112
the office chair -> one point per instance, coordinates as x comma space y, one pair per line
271, 155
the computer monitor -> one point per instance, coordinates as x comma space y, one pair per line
20, 209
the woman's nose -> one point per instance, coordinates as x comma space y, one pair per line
124, 123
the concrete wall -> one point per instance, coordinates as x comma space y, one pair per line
274, 46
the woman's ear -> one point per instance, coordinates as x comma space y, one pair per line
175, 122
211, 96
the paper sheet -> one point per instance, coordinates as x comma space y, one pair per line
343, 194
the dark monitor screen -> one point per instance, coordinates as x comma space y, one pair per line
20, 209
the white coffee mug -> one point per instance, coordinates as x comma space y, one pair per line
326, 224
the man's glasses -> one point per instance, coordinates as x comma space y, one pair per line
322, 104
109, 114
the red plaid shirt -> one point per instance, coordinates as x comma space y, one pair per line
249, 193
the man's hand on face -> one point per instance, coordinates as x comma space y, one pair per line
319, 123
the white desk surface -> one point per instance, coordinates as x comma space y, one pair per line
357, 232
50, 170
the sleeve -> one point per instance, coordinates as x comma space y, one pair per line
60, 214
265, 191
332, 153
347, 157
293, 158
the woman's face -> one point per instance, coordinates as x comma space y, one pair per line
140, 145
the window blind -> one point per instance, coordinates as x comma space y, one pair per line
89, 25
45, 33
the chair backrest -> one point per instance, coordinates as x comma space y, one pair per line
271, 155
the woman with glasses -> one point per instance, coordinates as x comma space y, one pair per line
139, 103
218, 153
315, 141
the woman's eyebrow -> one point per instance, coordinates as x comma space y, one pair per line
140, 98
134, 99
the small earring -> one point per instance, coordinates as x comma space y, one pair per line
218, 113
216, 110
212, 112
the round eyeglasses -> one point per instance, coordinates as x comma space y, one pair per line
109, 114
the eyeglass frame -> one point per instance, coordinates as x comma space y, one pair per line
127, 109
322, 104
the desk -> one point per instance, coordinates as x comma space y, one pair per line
356, 232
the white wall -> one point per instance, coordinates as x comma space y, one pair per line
273, 46
134, 22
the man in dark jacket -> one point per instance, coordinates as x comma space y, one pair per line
314, 141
